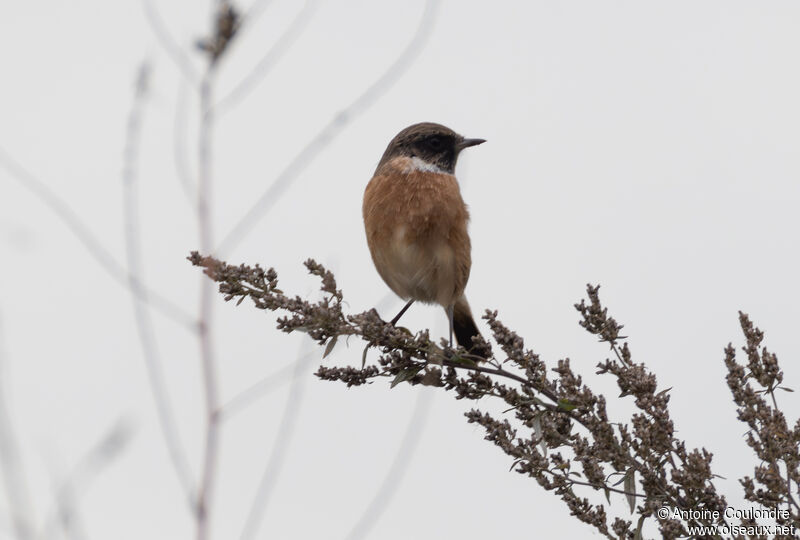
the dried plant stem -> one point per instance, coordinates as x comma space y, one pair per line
179, 150
13, 470
176, 53
283, 437
554, 407
263, 387
69, 489
140, 297
94, 247
394, 476
295, 29
539, 430
204, 217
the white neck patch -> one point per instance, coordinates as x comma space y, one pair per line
420, 165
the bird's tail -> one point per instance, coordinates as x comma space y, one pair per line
465, 329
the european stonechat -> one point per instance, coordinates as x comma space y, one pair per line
416, 224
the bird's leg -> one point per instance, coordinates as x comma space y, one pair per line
405, 308
450, 319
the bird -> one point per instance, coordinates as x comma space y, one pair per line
416, 225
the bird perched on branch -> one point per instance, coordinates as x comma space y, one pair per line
416, 225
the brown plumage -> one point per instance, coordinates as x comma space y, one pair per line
416, 223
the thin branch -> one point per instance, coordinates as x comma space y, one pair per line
556, 408
394, 476
602, 486
500, 372
204, 217
65, 512
262, 388
263, 67
283, 437
75, 484
321, 141
255, 10
182, 167
176, 53
13, 473
144, 322
95, 248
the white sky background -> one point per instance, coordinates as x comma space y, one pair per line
648, 147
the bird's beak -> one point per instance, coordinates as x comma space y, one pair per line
466, 143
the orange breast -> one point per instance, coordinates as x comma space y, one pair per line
416, 225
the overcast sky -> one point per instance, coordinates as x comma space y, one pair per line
650, 147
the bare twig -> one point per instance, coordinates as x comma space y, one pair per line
255, 10
13, 473
144, 323
396, 472
257, 74
95, 248
176, 53
69, 490
182, 167
66, 513
282, 439
262, 388
204, 218
227, 20
321, 141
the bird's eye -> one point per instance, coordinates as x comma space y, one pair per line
435, 143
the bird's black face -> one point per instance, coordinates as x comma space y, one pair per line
434, 144
438, 149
